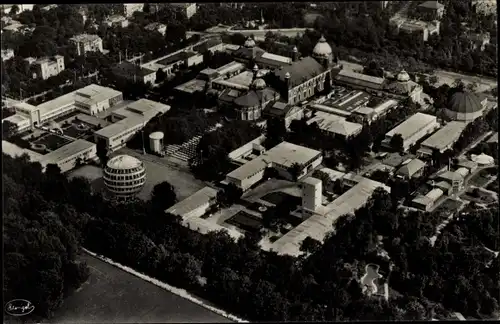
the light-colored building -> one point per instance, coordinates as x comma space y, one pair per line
22, 123
49, 7
188, 9
412, 130
66, 156
432, 9
116, 21
454, 179
412, 169
311, 194
46, 67
426, 202
283, 157
320, 223
87, 43
335, 126
422, 28
198, 204
6, 8
441, 140
159, 27
484, 7
359, 81
286, 113
403, 86
14, 151
90, 100
124, 176
129, 121
130, 8
174, 61
7, 54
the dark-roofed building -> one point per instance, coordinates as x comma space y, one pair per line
133, 72
432, 9
211, 45
465, 106
404, 86
247, 104
285, 112
250, 53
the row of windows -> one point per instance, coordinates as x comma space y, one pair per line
128, 177
126, 133
125, 184
124, 190
126, 171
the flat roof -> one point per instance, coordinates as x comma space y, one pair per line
311, 181
144, 108
199, 198
333, 174
230, 67
412, 125
16, 119
244, 78
445, 136
352, 101
317, 226
192, 86
173, 58
284, 154
345, 73
120, 126
66, 151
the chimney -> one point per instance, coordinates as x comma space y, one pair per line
287, 86
255, 70
295, 54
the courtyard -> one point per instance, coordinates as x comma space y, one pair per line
48, 142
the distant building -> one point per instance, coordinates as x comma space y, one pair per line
133, 72
49, 7
46, 67
431, 9
159, 27
211, 45
478, 40
412, 130
7, 54
282, 158
405, 87
425, 202
172, 62
335, 126
116, 21
188, 9
130, 8
6, 8
484, 7
417, 27
87, 43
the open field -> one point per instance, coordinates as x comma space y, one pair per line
112, 295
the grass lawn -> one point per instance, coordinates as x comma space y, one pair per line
52, 142
245, 221
112, 295
480, 178
279, 197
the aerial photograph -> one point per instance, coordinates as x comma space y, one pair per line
223, 162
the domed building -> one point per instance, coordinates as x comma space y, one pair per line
249, 43
465, 106
322, 52
124, 176
248, 104
404, 86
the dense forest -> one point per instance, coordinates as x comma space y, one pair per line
238, 276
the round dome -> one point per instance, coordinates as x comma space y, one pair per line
259, 84
322, 48
403, 76
124, 175
464, 106
249, 42
156, 135
464, 102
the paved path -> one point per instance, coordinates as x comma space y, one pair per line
112, 295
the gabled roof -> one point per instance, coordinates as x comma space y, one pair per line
300, 71
409, 169
431, 5
254, 98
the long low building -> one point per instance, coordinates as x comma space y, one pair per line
129, 121
193, 207
282, 158
442, 140
319, 225
412, 130
335, 125
66, 157
90, 100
